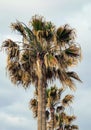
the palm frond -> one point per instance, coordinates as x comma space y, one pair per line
74, 127
73, 75
50, 61
70, 119
29, 34
49, 31
73, 51
65, 34
9, 43
37, 22
65, 80
26, 80
60, 108
33, 104
67, 100
19, 27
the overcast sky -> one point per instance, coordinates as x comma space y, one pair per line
14, 111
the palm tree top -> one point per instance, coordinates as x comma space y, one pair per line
42, 44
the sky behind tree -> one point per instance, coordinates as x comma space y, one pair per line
14, 111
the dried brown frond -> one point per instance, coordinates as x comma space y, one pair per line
59, 93
67, 127
70, 83
9, 43
60, 90
60, 108
65, 79
74, 75
74, 127
11, 48
19, 27
67, 100
73, 51
50, 61
26, 79
49, 73
70, 119
33, 104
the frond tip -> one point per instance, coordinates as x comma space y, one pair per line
33, 104
18, 27
67, 100
73, 75
74, 127
65, 34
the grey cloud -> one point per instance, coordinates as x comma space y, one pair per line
9, 122
82, 107
54, 10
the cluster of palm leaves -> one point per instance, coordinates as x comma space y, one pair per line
55, 47
56, 115
45, 53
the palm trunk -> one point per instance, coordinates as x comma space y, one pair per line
39, 105
44, 107
41, 97
52, 118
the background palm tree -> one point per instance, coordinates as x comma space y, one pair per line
56, 117
44, 54
53, 98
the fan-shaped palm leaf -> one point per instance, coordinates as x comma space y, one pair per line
67, 100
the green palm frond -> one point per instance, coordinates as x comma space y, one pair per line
37, 23
65, 34
49, 31
29, 34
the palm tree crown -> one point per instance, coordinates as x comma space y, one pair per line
42, 44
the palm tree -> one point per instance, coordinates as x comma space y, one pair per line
53, 98
62, 120
44, 54
56, 117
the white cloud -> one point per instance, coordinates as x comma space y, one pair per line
14, 122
